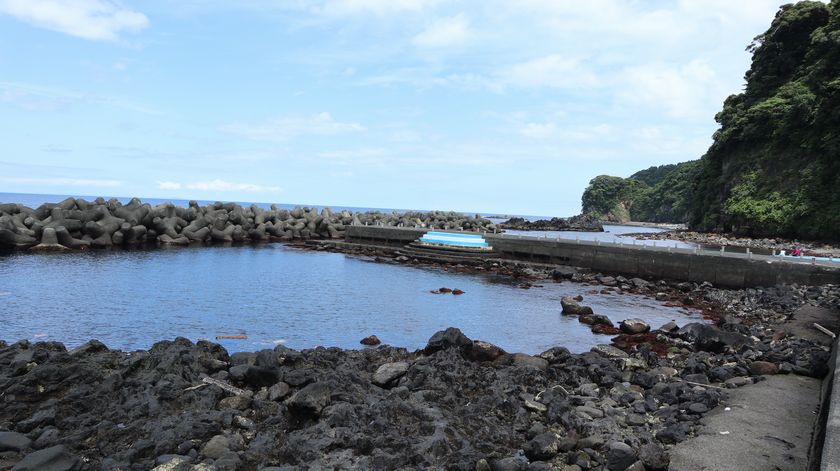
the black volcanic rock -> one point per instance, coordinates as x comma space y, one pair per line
585, 223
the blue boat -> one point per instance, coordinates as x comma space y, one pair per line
454, 240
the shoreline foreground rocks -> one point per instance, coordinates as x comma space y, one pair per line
459, 403
79, 224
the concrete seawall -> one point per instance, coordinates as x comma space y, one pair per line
825, 450
724, 270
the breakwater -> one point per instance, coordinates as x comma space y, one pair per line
722, 269
75, 223
80, 224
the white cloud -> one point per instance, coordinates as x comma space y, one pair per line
222, 185
680, 90
31, 97
101, 20
218, 185
538, 130
443, 32
376, 7
662, 22
552, 130
406, 136
287, 127
553, 71
354, 154
168, 185
63, 182
610, 17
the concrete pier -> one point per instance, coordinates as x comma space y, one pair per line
731, 270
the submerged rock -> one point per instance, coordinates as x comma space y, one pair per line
370, 340
595, 319
571, 307
634, 326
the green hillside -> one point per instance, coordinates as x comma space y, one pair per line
657, 194
774, 165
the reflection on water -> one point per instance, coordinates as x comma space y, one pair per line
275, 293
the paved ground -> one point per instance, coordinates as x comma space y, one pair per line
769, 425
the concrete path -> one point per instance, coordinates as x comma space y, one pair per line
769, 424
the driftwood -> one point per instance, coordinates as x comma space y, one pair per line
227, 387
699, 384
824, 330
556, 386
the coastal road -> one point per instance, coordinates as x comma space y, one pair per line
768, 427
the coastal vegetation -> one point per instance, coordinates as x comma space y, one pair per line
657, 194
773, 168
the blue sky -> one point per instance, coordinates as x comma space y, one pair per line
491, 106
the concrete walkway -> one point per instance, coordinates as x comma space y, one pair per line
769, 427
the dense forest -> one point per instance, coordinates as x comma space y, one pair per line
774, 165
656, 194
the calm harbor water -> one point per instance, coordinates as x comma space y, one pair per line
275, 293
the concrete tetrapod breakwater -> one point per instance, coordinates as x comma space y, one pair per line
722, 269
80, 224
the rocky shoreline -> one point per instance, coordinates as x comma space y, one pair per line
584, 223
79, 224
815, 249
459, 403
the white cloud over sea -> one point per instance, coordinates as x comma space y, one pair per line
218, 185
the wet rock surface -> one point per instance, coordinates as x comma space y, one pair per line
634, 326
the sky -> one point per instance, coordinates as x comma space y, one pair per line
490, 106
